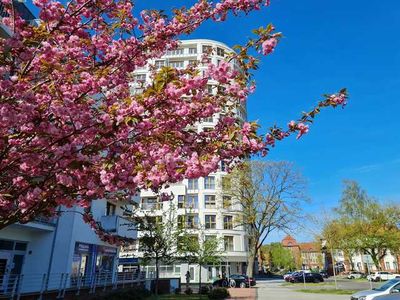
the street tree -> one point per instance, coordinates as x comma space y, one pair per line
278, 257
267, 196
158, 236
364, 224
201, 249
71, 130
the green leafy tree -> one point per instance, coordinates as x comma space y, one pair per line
200, 249
268, 196
158, 238
364, 225
279, 257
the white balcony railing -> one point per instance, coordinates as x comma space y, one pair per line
121, 226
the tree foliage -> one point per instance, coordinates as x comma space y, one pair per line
158, 237
201, 250
72, 131
364, 225
278, 257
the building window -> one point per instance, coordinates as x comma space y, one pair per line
140, 77
181, 201
175, 52
209, 89
228, 243
223, 166
110, 209
209, 183
192, 50
226, 202
208, 120
193, 184
176, 64
188, 221
159, 64
206, 49
220, 52
150, 203
192, 221
209, 201
192, 201
210, 221
228, 224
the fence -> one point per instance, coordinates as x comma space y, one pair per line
14, 286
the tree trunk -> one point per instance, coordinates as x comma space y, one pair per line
250, 262
199, 279
157, 276
376, 261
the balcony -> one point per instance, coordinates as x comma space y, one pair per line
120, 226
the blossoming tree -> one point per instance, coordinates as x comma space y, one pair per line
72, 132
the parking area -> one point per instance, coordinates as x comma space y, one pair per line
278, 290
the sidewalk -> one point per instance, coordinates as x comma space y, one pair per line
243, 293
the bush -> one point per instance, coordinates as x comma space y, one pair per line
204, 290
178, 291
137, 293
188, 291
218, 293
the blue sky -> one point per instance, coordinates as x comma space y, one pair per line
327, 45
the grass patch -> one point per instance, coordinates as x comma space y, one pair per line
178, 297
327, 291
308, 284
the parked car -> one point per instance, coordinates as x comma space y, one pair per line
324, 273
381, 276
388, 288
235, 280
394, 296
289, 277
307, 277
286, 275
355, 275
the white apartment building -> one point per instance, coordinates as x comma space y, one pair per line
50, 253
363, 263
201, 203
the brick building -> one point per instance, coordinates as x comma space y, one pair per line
307, 255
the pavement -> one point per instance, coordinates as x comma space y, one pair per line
273, 290
243, 294
276, 289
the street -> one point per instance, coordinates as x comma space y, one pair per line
276, 290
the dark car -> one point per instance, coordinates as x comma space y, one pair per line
307, 277
324, 273
235, 280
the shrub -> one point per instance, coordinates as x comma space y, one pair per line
218, 293
178, 291
188, 291
204, 290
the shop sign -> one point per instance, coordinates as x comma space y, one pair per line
82, 248
108, 250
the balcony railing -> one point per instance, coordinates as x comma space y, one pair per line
120, 226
